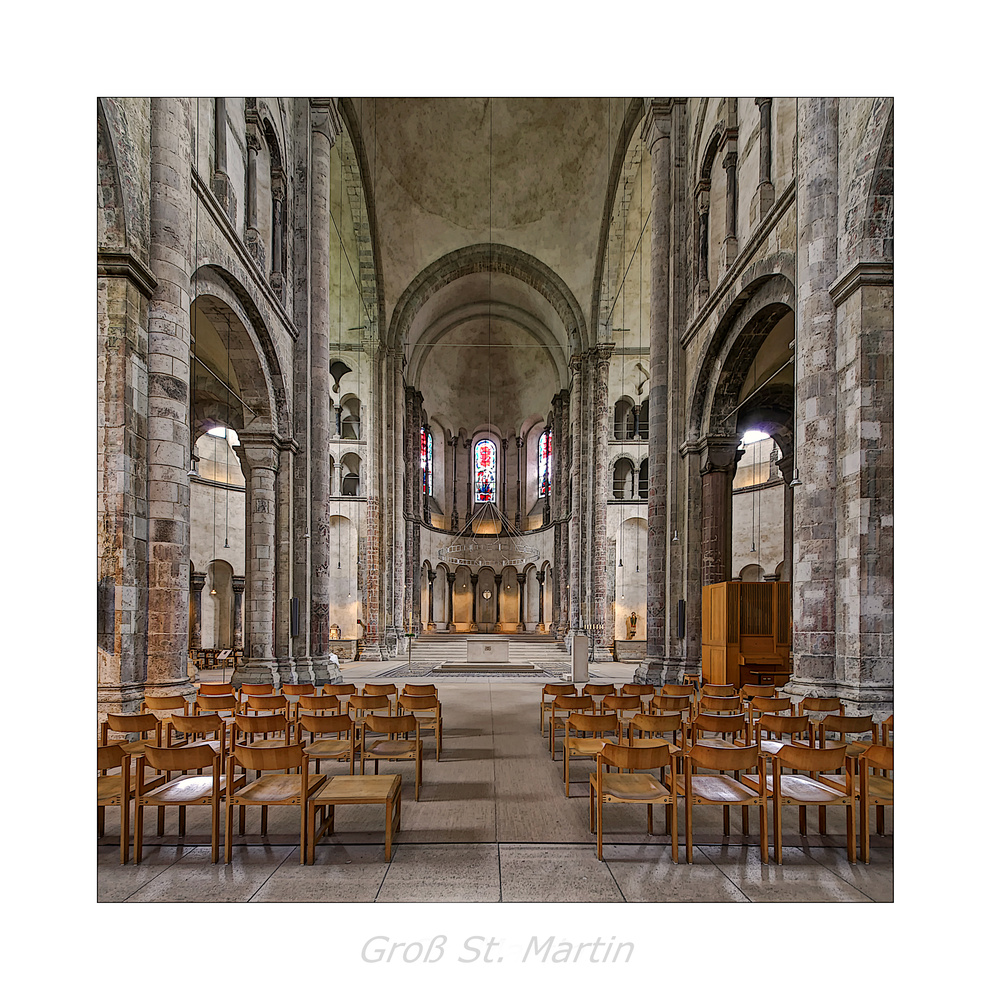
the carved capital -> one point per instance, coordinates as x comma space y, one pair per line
325, 118
197, 581
237, 582
252, 138
721, 454
656, 120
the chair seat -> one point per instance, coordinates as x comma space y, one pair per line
804, 789
715, 741
108, 788
631, 786
213, 744
327, 748
880, 787
185, 790
276, 741
654, 741
718, 788
585, 746
274, 788
388, 748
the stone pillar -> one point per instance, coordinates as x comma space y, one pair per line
474, 603
520, 480
730, 245
196, 583
815, 529
431, 576
600, 498
259, 457
372, 643
504, 475
221, 182
520, 583
323, 131
719, 461
540, 601
277, 279
498, 597
450, 602
453, 442
574, 602
764, 197
787, 466
562, 465
237, 583
252, 237
657, 134
168, 398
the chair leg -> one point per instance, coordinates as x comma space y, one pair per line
673, 813
762, 819
139, 829
650, 819
598, 825
101, 820
802, 825
161, 821
240, 820
865, 833
822, 821
880, 821
746, 821
182, 821
264, 821
214, 832
725, 821
228, 834
777, 830
688, 829
851, 837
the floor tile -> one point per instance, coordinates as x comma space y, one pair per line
555, 874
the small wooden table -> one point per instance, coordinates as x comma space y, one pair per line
354, 789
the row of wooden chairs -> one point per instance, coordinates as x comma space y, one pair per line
707, 774
132, 761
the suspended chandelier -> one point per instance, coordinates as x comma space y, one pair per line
471, 548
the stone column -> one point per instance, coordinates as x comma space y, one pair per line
787, 466
168, 398
450, 602
498, 597
503, 477
323, 131
372, 644
657, 134
474, 603
600, 499
237, 583
453, 442
562, 531
815, 529
730, 242
719, 461
196, 583
277, 279
221, 182
520, 583
574, 602
540, 601
764, 198
252, 237
520, 480
259, 457
431, 576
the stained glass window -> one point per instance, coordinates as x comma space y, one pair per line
485, 472
544, 464
427, 461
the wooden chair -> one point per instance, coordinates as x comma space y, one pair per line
187, 790
888, 731
211, 689
393, 749
420, 689
342, 692
759, 705
427, 708
292, 693
217, 704
634, 788
678, 690
695, 680
114, 790
197, 725
247, 689
561, 707
709, 704
720, 789
660, 727
665, 704
318, 704
626, 706
251, 726
813, 788
644, 691
547, 696
876, 787
327, 748
268, 789
719, 691
362, 705
749, 691
597, 692
797, 729
844, 726
820, 706
164, 703
586, 746
702, 725
265, 704
389, 690
141, 725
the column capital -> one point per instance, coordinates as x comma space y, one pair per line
197, 581
259, 450
325, 118
657, 119
237, 583
720, 453
601, 354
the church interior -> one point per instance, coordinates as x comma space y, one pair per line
493, 395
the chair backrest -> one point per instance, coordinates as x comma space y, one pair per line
635, 758
665, 704
622, 702
678, 690
887, 729
812, 704
251, 758
369, 702
598, 689
296, 689
844, 725
198, 724
143, 723
181, 758
719, 690
326, 723
267, 703
581, 722
255, 724
713, 704
723, 758
554, 690
420, 689
878, 756
757, 690
216, 703
164, 703
778, 725
703, 723
110, 755
215, 689
573, 702
247, 689
803, 758
394, 724
638, 689
770, 705
386, 689
657, 723
339, 690
419, 702
319, 703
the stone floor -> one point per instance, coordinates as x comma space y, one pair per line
493, 825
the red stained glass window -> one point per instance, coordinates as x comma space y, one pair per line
544, 464
485, 472
427, 461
